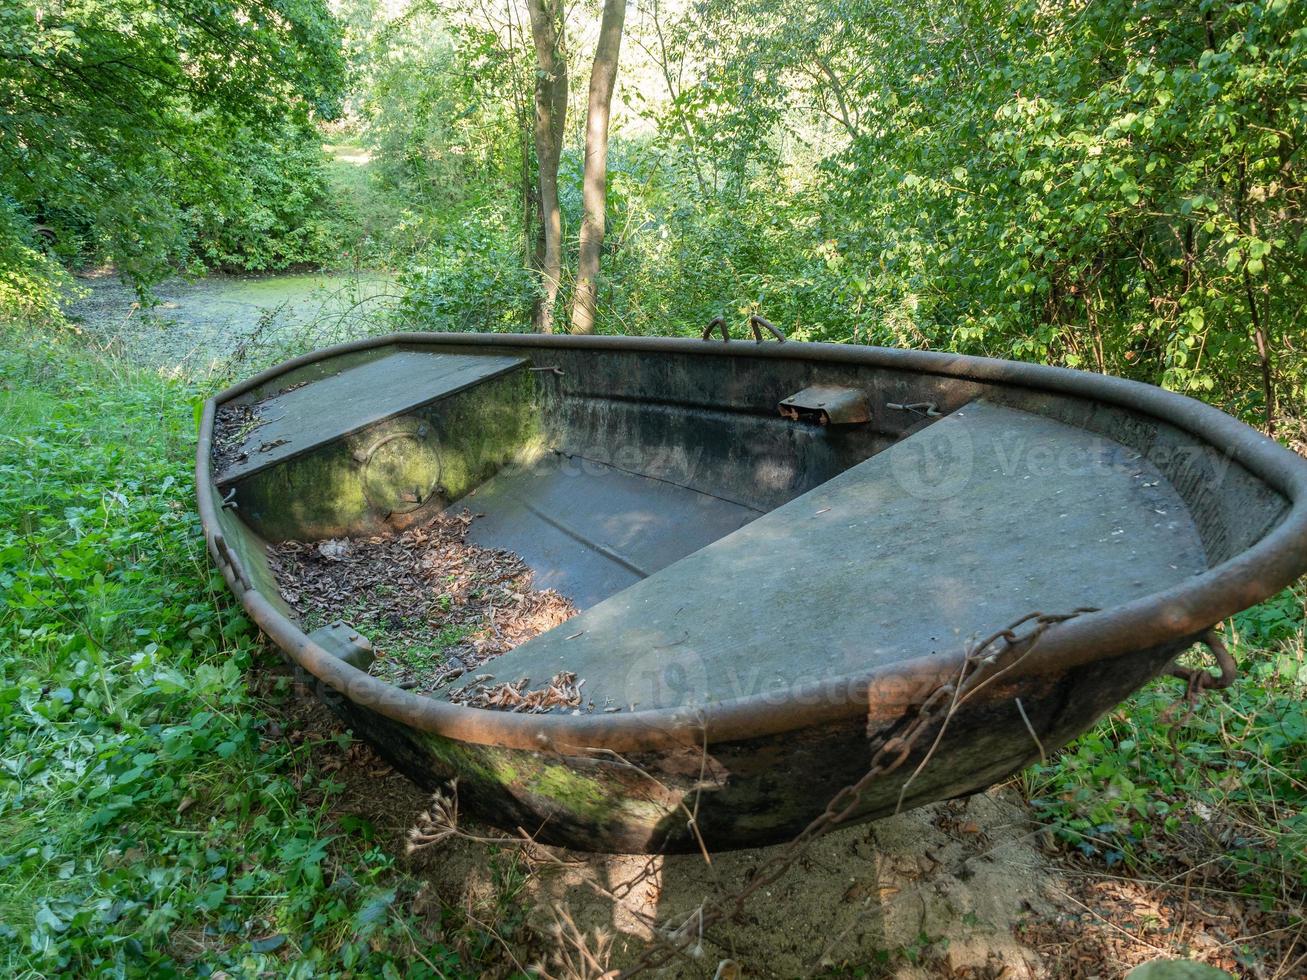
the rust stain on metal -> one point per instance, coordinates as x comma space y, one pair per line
827, 405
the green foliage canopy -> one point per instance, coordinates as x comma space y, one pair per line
1114, 185
119, 119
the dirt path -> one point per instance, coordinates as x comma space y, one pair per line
937, 891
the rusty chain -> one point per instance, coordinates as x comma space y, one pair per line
983, 663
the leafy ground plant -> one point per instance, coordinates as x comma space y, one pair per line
155, 816
1221, 790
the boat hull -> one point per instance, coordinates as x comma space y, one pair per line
757, 769
747, 792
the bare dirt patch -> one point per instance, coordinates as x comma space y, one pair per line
935, 892
1106, 924
434, 605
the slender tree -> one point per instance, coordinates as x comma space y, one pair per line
548, 33
603, 76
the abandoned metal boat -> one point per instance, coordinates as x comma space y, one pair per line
792, 562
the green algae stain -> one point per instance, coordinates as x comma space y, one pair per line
579, 794
516, 771
438, 452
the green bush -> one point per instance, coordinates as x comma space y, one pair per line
122, 121
276, 210
33, 283
1151, 784
472, 277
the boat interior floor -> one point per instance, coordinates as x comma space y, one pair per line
589, 530
983, 517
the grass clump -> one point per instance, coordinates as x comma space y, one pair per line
152, 818
1224, 788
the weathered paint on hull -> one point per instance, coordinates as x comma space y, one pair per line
746, 792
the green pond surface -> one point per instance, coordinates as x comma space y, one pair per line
219, 323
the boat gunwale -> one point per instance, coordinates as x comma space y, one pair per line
1171, 617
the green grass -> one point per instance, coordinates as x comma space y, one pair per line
370, 208
1148, 787
429, 656
149, 823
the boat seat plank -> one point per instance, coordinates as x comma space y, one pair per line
590, 530
304, 418
983, 517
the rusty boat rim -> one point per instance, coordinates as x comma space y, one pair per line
1172, 615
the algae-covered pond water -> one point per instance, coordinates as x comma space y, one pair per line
200, 325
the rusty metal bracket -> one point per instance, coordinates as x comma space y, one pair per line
1198, 679
717, 322
928, 409
757, 321
225, 557
344, 641
827, 405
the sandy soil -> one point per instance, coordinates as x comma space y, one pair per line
937, 891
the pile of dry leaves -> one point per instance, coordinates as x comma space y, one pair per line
232, 425
433, 604
235, 422
1110, 923
562, 691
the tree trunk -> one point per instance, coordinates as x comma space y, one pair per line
525, 128
1262, 341
1261, 331
593, 193
550, 116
